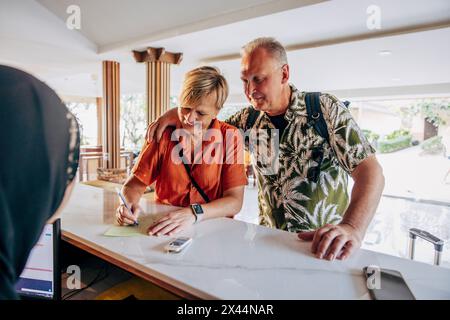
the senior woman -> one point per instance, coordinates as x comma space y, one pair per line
197, 166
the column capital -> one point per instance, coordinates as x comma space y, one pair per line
157, 55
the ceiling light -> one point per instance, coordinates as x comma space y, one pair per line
385, 52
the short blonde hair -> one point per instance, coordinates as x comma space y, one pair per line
201, 82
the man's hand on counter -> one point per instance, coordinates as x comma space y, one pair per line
333, 241
172, 222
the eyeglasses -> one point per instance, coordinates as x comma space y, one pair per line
313, 172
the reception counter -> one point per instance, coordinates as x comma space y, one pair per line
230, 259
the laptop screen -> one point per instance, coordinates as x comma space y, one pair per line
40, 278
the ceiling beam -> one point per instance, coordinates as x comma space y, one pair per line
345, 39
434, 90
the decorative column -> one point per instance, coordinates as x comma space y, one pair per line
99, 103
157, 62
111, 124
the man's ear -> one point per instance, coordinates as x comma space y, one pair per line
285, 73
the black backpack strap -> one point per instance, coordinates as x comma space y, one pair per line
188, 170
315, 115
251, 119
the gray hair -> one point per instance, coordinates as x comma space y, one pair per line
271, 45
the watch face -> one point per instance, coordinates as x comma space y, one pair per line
197, 208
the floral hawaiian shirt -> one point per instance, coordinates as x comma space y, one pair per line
287, 196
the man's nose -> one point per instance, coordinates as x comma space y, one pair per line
253, 88
249, 88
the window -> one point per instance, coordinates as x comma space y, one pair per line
85, 110
133, 121
229, 110
412, 138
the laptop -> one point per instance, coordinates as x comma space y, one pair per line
41, 278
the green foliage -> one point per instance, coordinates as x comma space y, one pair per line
396, 140
407, 114
133, 121
433, 145
397, 133
391, 145
133, 118
370, 135
76, 108
436, 112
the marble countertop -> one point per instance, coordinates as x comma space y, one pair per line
230, 259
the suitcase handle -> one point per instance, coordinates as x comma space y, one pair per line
438, 243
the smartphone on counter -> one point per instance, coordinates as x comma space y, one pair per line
178, 244
392, 286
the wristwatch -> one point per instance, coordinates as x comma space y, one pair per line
197, 210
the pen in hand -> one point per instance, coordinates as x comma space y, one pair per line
122, 199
